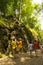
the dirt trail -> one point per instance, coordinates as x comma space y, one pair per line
23, 59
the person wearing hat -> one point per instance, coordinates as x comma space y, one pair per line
14, 45
19, 44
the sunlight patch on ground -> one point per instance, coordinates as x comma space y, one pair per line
11, 62
23, 59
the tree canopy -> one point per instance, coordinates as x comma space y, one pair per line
21, 18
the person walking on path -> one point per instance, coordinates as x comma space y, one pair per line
14, 45
19, 45
30, 46
41, 48
36, 46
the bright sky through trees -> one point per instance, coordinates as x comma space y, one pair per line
40, 17
37, 1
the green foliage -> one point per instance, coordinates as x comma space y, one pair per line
20, 17
41, 36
